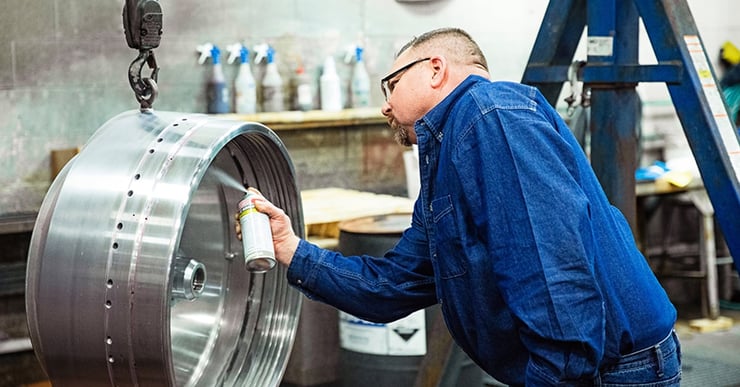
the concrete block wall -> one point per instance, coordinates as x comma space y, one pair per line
63, 63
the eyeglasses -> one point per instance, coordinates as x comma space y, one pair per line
388, 87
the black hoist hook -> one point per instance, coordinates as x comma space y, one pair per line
145, 88
142, 24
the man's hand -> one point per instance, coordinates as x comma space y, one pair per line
283, 237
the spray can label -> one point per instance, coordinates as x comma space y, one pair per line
259, 253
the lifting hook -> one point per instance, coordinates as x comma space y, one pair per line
142, 24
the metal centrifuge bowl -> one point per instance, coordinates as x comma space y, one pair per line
135, 276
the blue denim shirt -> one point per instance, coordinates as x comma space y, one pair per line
539, 277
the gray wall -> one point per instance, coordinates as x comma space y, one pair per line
63, 64
63, 67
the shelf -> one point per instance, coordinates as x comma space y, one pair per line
295, 120
9, 346
17, 223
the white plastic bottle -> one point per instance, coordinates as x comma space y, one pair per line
360, 85
245, 88
272, 84
331, 92
303, 90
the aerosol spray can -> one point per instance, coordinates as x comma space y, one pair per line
259, 253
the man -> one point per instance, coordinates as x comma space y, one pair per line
538, 276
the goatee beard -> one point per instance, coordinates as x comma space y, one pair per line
401, 135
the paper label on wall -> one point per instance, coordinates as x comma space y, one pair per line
404, 337
716, 102
600, 46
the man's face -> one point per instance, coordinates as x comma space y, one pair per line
403, 96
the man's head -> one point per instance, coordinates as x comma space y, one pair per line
425, 71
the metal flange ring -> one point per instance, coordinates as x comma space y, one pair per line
134, 275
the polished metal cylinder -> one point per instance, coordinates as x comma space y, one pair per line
132, 278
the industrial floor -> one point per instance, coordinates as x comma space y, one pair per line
711, 358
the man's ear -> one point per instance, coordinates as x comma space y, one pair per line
439, 67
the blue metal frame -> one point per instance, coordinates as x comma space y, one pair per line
613, 76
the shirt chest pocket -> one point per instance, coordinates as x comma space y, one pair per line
450, 255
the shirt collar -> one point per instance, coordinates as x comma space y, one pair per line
435, 119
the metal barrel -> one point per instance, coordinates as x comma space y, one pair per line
134, 274
366, 367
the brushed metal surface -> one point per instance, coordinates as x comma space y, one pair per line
145, 197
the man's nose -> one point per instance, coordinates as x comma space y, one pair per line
385, 109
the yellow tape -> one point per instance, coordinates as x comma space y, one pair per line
248, 211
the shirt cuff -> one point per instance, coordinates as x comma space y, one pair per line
302, 269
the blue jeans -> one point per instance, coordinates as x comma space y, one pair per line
656, 366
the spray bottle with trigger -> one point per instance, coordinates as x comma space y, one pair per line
217, 93
272, 83
245, 89
360, 85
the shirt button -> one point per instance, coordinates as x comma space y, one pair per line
426, 159
300, 282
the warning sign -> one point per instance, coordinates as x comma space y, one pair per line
404, 337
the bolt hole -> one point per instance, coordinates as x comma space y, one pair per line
160, 139
137, 176
115, 245
151, 150
109, 340
108, 304
119, 226
109, 283
111, 360
130, 193
199, 279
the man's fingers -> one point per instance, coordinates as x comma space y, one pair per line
255, 190
265, 207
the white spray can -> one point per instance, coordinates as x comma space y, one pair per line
259, 252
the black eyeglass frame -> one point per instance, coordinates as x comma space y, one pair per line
384, 82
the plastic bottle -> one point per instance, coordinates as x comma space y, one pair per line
331, 93
360, 85
217, 93
303, 90
272, 83
245, 88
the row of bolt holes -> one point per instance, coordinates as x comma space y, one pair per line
119, 226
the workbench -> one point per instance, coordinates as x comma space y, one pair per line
325, 208
694, 195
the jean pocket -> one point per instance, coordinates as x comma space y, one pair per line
450, 253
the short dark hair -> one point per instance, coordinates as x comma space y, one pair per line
454, 42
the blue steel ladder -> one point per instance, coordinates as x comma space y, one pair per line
612, 72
